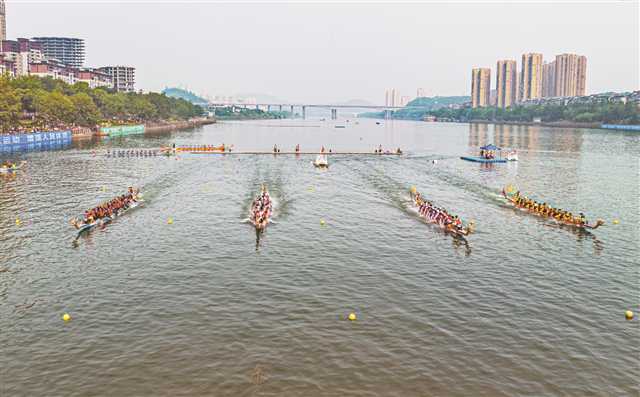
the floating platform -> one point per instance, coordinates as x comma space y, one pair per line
482, 159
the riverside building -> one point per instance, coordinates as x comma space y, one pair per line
506, 83
67, 50
530, 77
570, 75
3, 21
122, 77
480, 87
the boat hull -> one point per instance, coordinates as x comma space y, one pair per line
108, 219
445, 228
551, 219
482, 159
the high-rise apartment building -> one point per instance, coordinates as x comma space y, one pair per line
122, 77
530, 77
480, 87
506, 83
67, 50
549, 79
392, 97
3, 21
570, 75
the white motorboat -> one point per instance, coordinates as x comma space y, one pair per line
321, 161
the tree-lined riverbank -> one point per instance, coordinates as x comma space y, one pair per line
29, 103
552, 114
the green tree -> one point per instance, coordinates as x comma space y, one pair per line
86, 112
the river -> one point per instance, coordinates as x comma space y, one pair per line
201, 306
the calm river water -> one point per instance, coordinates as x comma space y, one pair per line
198, 307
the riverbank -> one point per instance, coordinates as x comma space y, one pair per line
563, 124
558, 124
178, 125
235, 113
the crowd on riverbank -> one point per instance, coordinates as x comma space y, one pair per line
30, 130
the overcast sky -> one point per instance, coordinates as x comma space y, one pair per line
317, 52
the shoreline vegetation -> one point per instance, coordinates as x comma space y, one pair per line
30, 103
230, 113
587, 115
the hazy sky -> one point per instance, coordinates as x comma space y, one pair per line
319, 52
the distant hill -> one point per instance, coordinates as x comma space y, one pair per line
420, 107
184, 94
438, 101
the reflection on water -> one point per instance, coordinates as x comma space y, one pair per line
206, 306
525, 137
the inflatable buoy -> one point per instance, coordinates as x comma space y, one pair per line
615, 221
629, 315
322, 223
66, 317
18, 222
413, 189
170, 221
352, 317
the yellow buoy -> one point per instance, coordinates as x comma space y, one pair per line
18, 222
615, 221
170, 221
322, 223
66, 317
629, 315
352, 317
413, 189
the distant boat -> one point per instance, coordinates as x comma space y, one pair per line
487, 155
340, 126
377, 122
321, 161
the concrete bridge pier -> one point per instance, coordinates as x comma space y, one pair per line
292, 111
280, 108
257, 107
334, 114
268, 108
387, 114
304, 113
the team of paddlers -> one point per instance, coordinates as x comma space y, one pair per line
108, 209
261, 209
8, 165
544, 209
132, 153
439, 215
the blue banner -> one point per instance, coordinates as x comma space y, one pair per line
34, 140
621, 127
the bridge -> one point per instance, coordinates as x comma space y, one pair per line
303, 107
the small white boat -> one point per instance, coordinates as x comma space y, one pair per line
321, 161
512, 156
